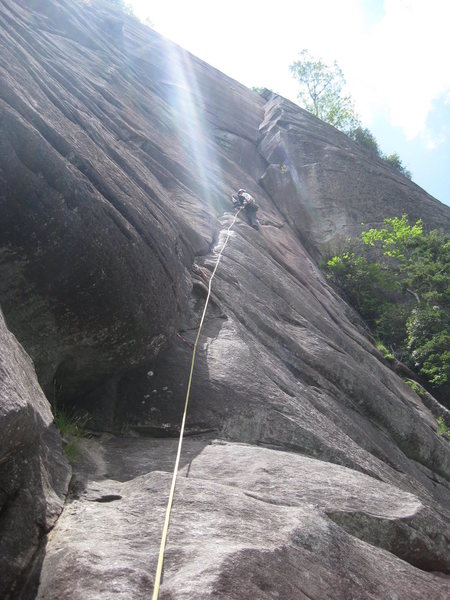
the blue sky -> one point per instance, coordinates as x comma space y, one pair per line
393, 54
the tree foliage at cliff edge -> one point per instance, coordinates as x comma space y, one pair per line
397, 278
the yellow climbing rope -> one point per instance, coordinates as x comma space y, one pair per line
180, 441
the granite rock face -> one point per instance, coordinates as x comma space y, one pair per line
34, 474
314, 470
247, 523
325, 184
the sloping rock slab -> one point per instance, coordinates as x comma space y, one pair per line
235, 531
325, 184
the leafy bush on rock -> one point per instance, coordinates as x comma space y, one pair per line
397, 279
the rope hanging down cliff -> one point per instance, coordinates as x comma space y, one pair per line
180, 441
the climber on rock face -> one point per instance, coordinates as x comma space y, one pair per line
245, 200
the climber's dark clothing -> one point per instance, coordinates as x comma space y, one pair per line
247, 201
251, 209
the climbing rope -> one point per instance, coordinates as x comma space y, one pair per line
162, 547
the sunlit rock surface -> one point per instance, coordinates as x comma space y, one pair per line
118, 155
248, 522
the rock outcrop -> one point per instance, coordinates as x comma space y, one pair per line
34, 474
248, 523
324, 184
118, 155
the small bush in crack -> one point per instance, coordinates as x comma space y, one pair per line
385, 352
442, 429
414, 386
70, 427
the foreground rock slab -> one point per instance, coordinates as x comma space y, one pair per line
237, 531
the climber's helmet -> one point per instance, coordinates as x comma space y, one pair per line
241, 191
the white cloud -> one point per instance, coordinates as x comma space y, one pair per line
401, 68
434, 141
396, 64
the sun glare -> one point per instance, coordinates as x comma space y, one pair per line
189, 110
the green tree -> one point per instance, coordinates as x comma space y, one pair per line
428, 341
397, 276
395, 238
321, 92
365, 137
365, 283
428, 326
395, 161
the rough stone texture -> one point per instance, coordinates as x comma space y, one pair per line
118, 155
247, 523
77, 228
34, 474
324, 184
118, 151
